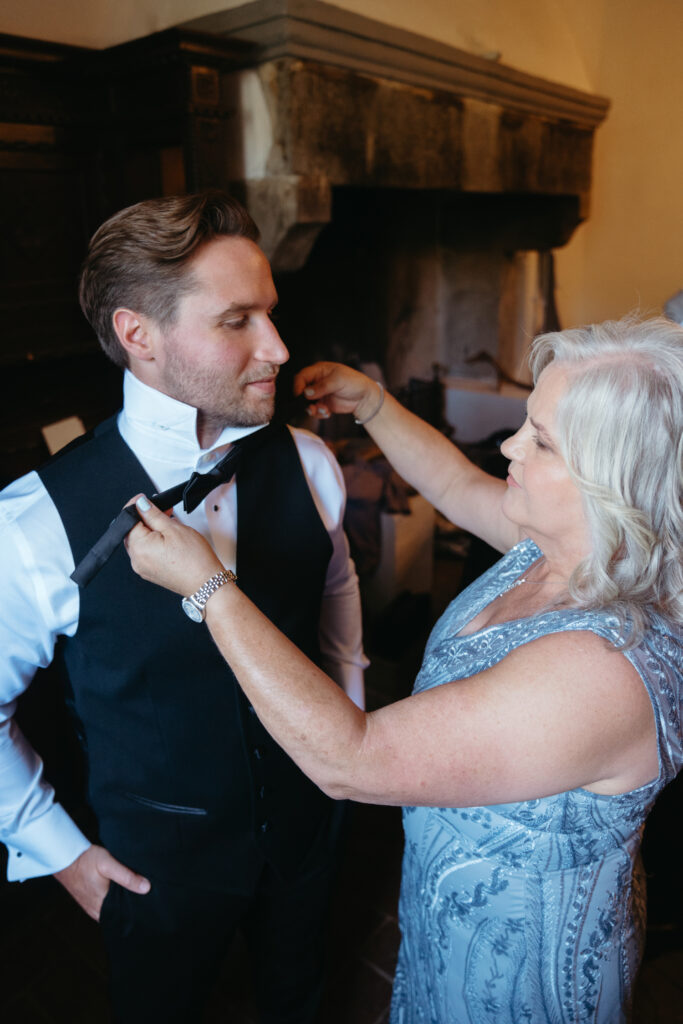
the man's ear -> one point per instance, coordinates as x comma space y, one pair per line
136, 334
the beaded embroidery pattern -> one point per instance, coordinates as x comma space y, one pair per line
529, 911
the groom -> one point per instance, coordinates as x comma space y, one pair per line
203, 822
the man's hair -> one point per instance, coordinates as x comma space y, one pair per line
138, 259
620, 430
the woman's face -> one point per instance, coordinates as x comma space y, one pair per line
541, 497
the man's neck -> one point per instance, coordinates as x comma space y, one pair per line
209, 429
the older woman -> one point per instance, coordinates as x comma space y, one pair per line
546, 716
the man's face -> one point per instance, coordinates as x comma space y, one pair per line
222, 354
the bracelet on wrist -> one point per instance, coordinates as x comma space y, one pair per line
372, 415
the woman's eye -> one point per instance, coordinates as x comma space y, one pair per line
541, 444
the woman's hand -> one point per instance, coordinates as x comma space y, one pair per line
167, 553
332, 387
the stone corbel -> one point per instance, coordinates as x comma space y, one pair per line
290, 211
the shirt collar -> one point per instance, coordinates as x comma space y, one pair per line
167, 428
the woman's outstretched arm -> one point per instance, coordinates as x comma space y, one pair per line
434, 466
541, 721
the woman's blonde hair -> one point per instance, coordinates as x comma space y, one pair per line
620, 430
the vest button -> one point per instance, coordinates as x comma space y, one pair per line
252, 709
265, 826
257, 753
262, 792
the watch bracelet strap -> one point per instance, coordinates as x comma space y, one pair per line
202, 595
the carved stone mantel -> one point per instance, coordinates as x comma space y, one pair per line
328, 98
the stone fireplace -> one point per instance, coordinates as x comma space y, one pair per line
409, 197
409, 194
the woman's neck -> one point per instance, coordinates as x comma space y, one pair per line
559, 558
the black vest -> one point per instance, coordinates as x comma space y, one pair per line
183, 779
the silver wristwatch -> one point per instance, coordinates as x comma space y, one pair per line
194, 606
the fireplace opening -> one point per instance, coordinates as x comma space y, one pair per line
437, 294
426, 283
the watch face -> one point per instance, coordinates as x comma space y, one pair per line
191, 610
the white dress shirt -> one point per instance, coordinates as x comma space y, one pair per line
40, 602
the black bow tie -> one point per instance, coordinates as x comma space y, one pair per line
192, 492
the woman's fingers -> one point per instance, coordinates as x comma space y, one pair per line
151, 516
313, 380
315, 384
331, 387
145, 543
165, 552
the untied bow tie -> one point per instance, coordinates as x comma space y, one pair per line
192, 492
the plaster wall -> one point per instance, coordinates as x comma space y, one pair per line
630, 252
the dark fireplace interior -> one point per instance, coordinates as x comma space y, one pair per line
407, 279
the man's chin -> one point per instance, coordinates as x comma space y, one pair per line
263, 409
255, 415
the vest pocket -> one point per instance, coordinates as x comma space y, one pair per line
157, 805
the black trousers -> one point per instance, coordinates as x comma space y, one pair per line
166, 948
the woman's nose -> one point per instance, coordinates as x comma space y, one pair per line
513, 447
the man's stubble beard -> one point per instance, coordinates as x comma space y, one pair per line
219, 403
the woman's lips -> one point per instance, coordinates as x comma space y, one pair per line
511, 482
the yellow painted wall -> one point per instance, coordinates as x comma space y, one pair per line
630, 252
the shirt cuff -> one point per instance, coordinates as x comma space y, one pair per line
48, 844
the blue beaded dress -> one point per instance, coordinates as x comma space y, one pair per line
533, 911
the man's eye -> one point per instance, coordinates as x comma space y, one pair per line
237, 324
